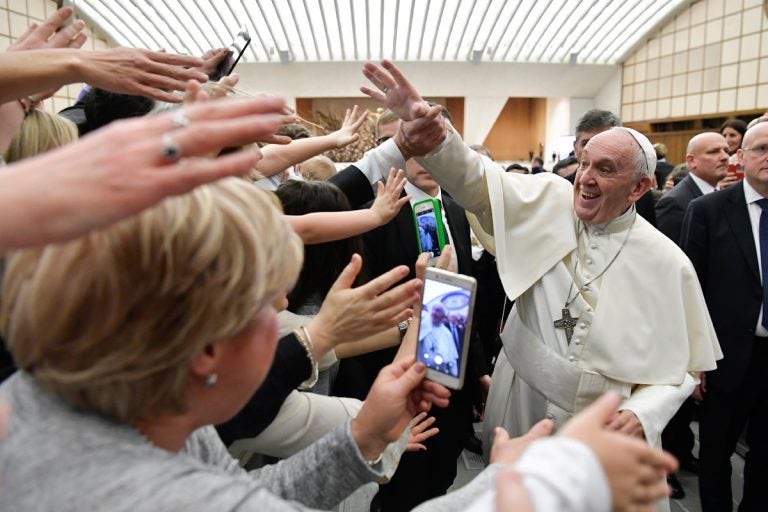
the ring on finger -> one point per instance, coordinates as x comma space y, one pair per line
171, 151
180, 119
385, 90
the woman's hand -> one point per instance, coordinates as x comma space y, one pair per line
349, 314
388, 201
123, 168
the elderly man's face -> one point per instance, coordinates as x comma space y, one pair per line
606, 181
756, 164
438, 315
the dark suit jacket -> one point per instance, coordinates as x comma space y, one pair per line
395, 244
662, 171
670, 209
717, 237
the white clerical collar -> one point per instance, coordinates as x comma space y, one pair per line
419, 195
615, 225
705, 187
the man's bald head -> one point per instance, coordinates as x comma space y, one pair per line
707, 157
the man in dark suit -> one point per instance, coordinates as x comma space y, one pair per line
707, 161
663, 168
420, 475
726, 236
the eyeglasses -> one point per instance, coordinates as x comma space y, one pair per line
758, 150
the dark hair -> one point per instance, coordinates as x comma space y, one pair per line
294, 131
595, 119
565, 162
322, 262
511, 167
102, 107
538, 160
737, 124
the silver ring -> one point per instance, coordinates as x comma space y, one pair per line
171, 150
385, 90
180, 119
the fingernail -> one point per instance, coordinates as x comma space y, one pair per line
420, 367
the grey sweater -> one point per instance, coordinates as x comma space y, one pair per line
56, 458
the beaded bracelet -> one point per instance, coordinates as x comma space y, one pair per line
302, 334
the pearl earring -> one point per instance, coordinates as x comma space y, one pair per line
210, 381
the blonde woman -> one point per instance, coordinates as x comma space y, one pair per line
40, 131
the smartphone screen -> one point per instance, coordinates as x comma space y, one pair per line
234, 54
426, 225
444, 326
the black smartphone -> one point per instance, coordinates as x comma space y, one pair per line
447, 305
234, 53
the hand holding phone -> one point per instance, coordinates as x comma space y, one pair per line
234, 54
447, 304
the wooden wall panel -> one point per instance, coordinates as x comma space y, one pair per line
520, 127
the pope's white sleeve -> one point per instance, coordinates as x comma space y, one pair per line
461, 172
376, 163
655, 405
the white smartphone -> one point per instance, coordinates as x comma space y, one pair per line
447, 304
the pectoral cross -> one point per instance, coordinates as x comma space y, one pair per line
568, 323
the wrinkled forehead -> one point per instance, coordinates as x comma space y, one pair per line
616, 144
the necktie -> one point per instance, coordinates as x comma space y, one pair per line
763, 230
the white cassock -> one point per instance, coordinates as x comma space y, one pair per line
642, 326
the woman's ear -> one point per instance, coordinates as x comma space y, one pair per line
205, 362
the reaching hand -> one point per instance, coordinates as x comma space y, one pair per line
507, 451
50, 33
123, 168
353, 120
394, 90
140, 72
350, 314
420, 432
635, 470
211, 60
397, 394
388, 201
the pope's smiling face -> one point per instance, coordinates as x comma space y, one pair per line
607, 181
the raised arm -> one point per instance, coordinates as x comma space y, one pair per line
320, 227
128, 166
279, 158
123, 70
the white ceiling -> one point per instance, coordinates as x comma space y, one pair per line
534, 31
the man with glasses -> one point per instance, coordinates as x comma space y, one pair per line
726, 237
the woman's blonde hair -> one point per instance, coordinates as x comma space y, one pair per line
40, 131
111, 321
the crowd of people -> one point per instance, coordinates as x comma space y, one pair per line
199, 312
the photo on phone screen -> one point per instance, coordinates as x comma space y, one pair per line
446, 319
429, 226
